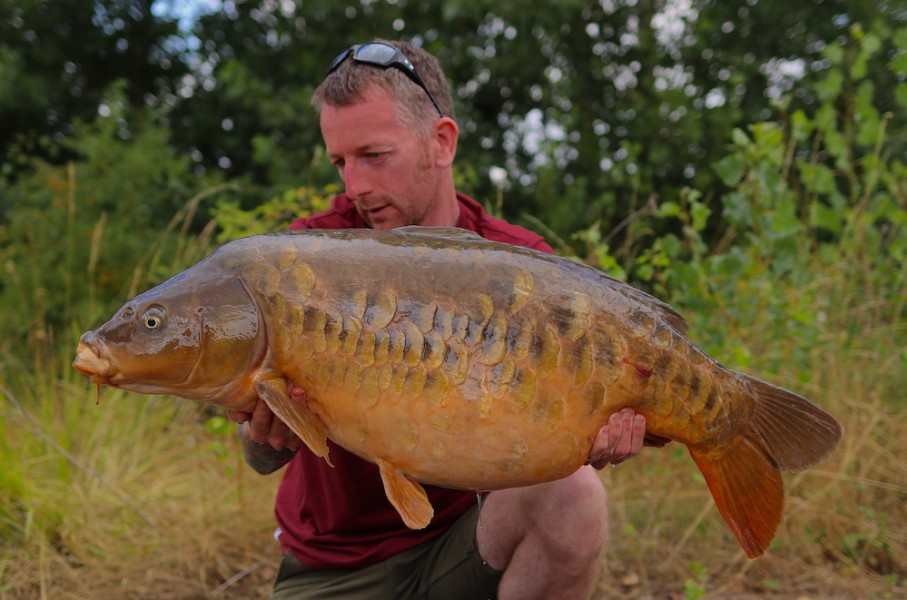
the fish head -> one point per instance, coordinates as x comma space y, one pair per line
197, 336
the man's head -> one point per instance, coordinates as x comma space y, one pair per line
386, 137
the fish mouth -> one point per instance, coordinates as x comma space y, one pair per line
89, 362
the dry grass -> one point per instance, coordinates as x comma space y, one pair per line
844, 533
152, 504
146, 502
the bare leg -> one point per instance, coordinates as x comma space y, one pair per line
547, 538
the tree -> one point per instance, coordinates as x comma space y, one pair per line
595, 109
58, 58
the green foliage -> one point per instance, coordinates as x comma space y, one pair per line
810, 195
76, 238
271, 215
57, 58
593, 109
223, 433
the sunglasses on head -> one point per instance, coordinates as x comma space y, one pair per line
383, 55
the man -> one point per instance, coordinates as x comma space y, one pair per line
387, 121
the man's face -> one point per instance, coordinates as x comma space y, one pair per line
388, 171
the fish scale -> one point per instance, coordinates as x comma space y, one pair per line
448, 359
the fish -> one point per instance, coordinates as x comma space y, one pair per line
451, 360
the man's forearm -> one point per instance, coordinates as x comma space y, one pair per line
262, 457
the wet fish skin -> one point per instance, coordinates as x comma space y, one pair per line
452, 360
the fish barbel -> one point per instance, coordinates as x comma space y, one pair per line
451, 360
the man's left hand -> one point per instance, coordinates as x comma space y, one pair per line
621, 438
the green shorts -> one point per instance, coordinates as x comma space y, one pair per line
448, 567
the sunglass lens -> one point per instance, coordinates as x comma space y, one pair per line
379, 54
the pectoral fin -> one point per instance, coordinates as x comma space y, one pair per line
298, 417
407, 496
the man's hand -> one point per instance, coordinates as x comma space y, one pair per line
266, 428
621, 438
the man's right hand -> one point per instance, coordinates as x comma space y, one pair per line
264, 427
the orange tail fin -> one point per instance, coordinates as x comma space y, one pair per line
786, 433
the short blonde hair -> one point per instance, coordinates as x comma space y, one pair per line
347, 84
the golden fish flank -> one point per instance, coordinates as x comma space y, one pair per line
451, 360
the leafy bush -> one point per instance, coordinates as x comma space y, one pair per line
76, 238
812, 225
271, 215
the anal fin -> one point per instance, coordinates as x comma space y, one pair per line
407, 496
304, 423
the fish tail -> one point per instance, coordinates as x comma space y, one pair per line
796, 433
786, 433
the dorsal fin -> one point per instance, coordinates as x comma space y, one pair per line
458, 234
453, 233
662, 308
667, 312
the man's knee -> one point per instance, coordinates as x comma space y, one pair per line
576, 514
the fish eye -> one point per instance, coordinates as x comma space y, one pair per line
153, 318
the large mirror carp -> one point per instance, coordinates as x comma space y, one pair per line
451, 360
